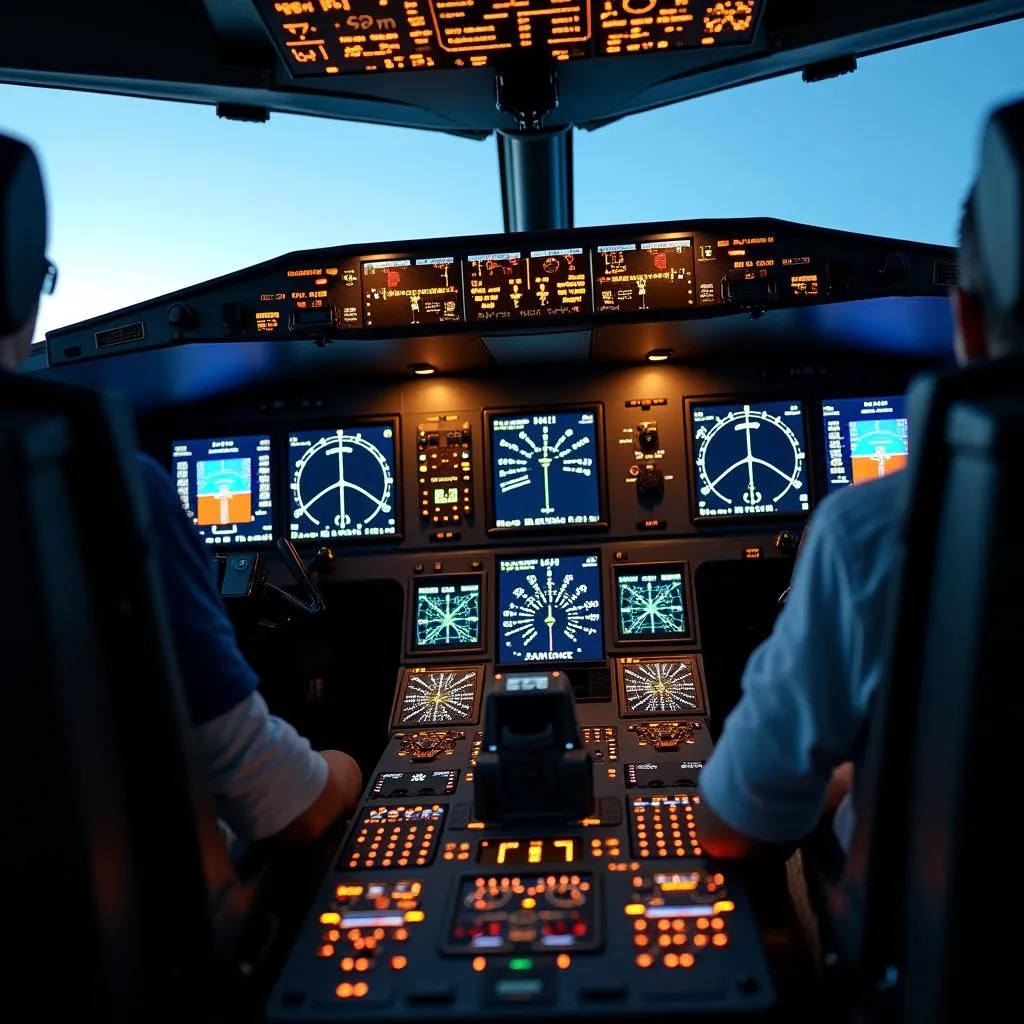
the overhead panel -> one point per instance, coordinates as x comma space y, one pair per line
336, 37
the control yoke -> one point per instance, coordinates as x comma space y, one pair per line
310, 599
245, 576
532, 763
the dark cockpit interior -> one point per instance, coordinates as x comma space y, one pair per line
503, 516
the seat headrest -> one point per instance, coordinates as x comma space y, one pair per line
998, 200
22, 233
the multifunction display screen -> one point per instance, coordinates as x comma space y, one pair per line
407, 292
225, 485
749, 459
545, 469
651, 602
639, 276
527, 285
865, 438
550, 609
343, 483
446, 613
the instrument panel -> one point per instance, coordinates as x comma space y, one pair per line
547, 470
514, 283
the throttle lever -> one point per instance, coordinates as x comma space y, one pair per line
312, 600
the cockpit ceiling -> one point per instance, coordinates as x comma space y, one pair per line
222, 52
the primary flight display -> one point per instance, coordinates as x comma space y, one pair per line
226, 486
865, 438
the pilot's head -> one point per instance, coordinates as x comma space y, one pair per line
24, 269
989, 303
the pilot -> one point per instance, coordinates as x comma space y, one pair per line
788, 752
266, 780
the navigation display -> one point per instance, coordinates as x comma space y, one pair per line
405, 292
544, 468
225, 487
637, 276
749, 459
651, 602
446, 613
329, 37
550, 610
865, 438
343, 483
527, 286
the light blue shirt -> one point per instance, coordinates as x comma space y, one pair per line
807, 689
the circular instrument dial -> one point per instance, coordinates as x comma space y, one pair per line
343, 484
750, 459
668, 686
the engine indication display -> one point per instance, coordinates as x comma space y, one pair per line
446, 613
550, 610
407, 292
343, 483
330, 37
225, 487
545, 469
638, 276
651, 602
439, 696
749, 459
660, 686
527, 286
865, 438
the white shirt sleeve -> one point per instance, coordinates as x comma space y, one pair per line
800, 712
261, 772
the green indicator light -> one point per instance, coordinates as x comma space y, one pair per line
520, 963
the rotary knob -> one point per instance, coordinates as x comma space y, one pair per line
647, 437
650, 482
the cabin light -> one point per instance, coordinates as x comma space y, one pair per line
422, 369
659, 355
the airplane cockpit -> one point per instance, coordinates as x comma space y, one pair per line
503, 516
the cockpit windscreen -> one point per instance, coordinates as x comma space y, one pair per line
865, 438
225, 485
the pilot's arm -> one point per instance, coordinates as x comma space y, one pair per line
266, 780
800, 716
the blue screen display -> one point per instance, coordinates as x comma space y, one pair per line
544, 469
749, 459
865, 438
549, 609
343, 483
225, 485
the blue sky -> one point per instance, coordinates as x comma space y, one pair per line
149, 196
